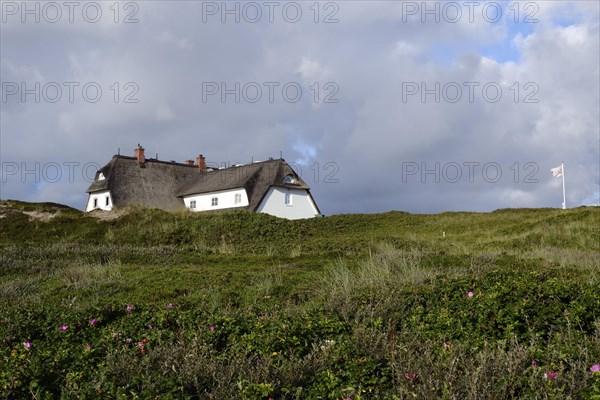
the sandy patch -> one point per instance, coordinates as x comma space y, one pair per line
42, 216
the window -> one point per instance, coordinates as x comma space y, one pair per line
107, 200
238, 198
192, 204
95, 202
214, 201
288, 199
289, 179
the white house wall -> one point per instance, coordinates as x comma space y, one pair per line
302, 205
101, 199
226, 200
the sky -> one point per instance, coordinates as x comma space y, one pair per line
423, 107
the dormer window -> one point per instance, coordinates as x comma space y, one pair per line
289, 179
101, 176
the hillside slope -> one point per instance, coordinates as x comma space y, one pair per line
240, 305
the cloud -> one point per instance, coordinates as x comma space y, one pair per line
381, 93
168, 38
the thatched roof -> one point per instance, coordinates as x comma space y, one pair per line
153, 184
256, 178
160, 184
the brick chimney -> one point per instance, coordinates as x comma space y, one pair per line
201, 161
138, 153
189, 162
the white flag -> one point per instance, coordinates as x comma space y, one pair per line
556, 171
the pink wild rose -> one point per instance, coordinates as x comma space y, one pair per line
93, 321
64, 327
469, 294
212, 328
595, 368
129, 309
550, 375
27, 344
170, 305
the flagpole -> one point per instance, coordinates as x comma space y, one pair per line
562, 167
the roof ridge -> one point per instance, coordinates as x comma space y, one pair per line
281, 160
213, 169
155, 160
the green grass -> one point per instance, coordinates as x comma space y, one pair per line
331, 308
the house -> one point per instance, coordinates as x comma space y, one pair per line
271, 186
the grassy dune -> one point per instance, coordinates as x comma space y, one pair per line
238, 305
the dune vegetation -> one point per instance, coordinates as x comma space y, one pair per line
237, 305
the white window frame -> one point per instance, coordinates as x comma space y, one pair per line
95, 202
288, 199
214, 201
107, 201
238, 198
192, 204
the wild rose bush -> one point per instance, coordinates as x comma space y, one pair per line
427, 343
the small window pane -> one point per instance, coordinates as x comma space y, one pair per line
107, 200
288, 199
193, 204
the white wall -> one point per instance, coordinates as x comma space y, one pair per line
302, 205
101, 199
226, 200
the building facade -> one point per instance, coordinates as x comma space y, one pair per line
271, 187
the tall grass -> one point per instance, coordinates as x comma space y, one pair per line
80, 275
386, 271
